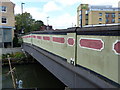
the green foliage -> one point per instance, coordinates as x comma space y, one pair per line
15, 55
4, 56
19, 55
27, 23
37, 25
15, 41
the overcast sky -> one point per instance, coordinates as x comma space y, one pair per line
61, 13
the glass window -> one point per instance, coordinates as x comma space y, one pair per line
119, 19
107, 15
100, 19
4, 20
107, 20
80, 12
113, 14
3, 8
119, 14
80, 17
86, 12
113, 20
100, 14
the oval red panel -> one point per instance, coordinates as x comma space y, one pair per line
58, 39
71, 41
33, 36
94, 44
116, 47
39, 37
46, 38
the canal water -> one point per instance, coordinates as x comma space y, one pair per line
32, 75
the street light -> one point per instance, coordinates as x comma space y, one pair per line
47, 20
22, 31
22, 7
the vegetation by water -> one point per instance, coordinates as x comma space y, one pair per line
14, 55
17, 58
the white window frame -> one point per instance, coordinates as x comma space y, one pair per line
2, 20
2, 10
100, 14
113, 20
118, 19
100, 19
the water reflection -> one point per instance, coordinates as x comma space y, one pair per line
32, 75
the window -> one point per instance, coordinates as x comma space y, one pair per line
107, 15
119, 14
119, 20
107, 20
80, 17
4, 20
3, 9
86, 12
80, 12
100, 14
113, 14
113, 20
100, 19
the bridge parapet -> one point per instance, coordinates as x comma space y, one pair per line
96, 49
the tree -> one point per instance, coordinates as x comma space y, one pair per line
37, 25
24, 22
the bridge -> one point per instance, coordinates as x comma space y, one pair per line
79, 57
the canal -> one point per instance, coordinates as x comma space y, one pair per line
32, 75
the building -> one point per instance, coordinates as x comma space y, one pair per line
7, 23
92, 15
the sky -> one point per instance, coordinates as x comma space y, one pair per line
62, 13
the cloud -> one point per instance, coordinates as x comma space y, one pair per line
51, 6
18, 1
63, 21
101, 2
37, 14
17, 9
67, 2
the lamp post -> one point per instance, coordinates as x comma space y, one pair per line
22, 31
22, 7
47, 20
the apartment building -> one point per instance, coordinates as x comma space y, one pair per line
92, 15
7, 23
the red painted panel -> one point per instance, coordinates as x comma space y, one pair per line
117, 47
46, 38
34, 36
71, 41
58, 39
39, 37
91, 44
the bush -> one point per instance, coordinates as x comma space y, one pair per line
19, 55
15, 55
16, 42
